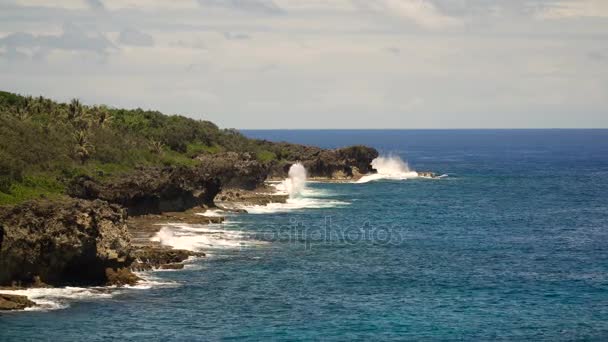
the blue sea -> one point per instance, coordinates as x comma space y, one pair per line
511, 245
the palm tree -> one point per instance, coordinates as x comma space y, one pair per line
83, 147
74, 110
157, 147
101, 116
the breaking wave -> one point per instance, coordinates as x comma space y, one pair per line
300, 196
390, 167
56, 298
294, 204
194, 237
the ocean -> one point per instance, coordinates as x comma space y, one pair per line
511, 243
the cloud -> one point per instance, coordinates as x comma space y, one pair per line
12, 54
195, 44
424, 13
236, 36
131, 36
254, 6
576, 9
96, 5
73, 39
393, 50
351, 59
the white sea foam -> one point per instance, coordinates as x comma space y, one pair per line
295, 183
390, 167
213, 213
300, 196
294, 204
56, 298
194, 237
59, 298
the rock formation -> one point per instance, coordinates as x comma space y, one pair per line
154, 190
84, 239
344, 163
14, 302
62, 242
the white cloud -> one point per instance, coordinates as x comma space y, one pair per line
422, 12
317, 63
576, 9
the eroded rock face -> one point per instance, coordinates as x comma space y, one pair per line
148, 258
151, 190
344, 163
233, 170
62, 242
155, 190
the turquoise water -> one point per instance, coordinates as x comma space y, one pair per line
512, 245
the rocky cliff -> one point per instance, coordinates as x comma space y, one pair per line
153, 190
84, 239
343, 163
58, 243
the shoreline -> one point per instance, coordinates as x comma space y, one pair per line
150, 255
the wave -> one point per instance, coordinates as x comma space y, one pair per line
56, 298
196, 238
212, 213
294, 204
390, 167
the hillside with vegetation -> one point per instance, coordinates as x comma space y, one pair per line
44, 145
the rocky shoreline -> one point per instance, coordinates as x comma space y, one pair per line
102, 233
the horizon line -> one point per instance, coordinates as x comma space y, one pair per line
425, 129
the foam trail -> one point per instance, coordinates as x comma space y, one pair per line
212, 213
294, 204
56, 298
202, 237
390, 167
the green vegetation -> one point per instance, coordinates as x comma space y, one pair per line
45, 144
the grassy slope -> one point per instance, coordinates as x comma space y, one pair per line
44, 144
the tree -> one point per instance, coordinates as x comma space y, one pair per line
83, 147
157, 147
101, 116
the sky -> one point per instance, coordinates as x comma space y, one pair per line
318, 63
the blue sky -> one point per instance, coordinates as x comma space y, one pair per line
319, 64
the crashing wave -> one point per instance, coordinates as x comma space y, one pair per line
391, 167
195, 238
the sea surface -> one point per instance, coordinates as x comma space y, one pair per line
511, 245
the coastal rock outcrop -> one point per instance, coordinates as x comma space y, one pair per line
14, 302
338, 164
154, 190
148, 258
62, 242
150, 190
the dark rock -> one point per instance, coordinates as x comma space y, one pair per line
121, 277
155, 190
172, 267
149, 257
232, 198
62, 242
14, 302
344, 163
427, 174
151, 190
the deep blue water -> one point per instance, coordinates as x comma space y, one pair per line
513, 245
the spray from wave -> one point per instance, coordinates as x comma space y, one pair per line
194, 237
389, 167
295, 183
300, 196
